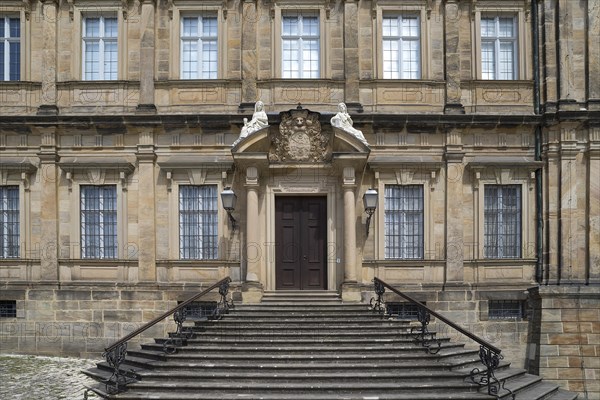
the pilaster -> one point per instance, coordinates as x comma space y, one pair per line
146, 205
147, 55
48, 181
455, 205
351, 61
452, 23
249, 54
49, 17
350, 290
594, 205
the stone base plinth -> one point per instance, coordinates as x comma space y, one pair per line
252, 292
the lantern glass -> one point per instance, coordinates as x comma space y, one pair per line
228, 198
370, 200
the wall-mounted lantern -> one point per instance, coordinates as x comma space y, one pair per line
229, 198
370, 202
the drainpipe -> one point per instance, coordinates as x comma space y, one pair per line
538, 145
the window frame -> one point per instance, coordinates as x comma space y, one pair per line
501, 248
510, 8
5, 250
401, 39
497, 40
101, 41
6, 41
300, 38
101, 248
425, 55
200, 41
214, 214
420, 248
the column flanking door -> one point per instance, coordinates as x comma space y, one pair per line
300, 244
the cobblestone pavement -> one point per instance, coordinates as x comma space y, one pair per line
43, 378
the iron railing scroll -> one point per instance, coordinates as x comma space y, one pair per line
116, 353
489, 355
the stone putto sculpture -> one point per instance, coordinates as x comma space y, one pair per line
259, 121
342, 121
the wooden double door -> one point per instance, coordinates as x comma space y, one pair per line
301, 242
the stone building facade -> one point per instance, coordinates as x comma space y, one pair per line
120, 126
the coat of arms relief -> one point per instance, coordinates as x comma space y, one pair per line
300, 139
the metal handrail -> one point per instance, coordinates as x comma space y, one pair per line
489, 355
115, 353
453, 325
166, 314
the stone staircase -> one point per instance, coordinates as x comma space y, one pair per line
291, 347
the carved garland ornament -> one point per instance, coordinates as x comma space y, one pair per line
299, 139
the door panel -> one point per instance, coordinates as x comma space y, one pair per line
301, 241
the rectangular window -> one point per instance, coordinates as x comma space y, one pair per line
9, 221
404, 221
100, 48
99, 221
401, 47
198, 222
498, 47
8, 308
506, 309
502, 221
10, 48
300, 46
403, 310
199, 53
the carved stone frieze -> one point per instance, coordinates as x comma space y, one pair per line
300, 139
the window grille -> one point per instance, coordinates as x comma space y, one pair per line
100, 53
9, 222
98, 221
10, 48
401, 47
8, 308
404, 222
300, 45
403, 310
198, 222
506, 309
498, 47
502, 221
199, 53
199, 310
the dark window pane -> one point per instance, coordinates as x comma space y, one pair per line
8, 308
15, 61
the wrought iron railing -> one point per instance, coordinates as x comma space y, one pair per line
488, 354
116, 353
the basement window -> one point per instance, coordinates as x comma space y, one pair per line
200, 310
8, 308
403, 310
506, 310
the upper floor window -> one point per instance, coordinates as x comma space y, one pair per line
401, 47
10, 48
499, 47
9, 221
300, 46
199, 47
404, 230
198, 222
98, 221
502, 221
100, 48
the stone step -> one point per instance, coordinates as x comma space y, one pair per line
303, 376
284, 387
306, 350
331, 395
269, 342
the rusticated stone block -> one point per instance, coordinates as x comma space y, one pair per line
73, 294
